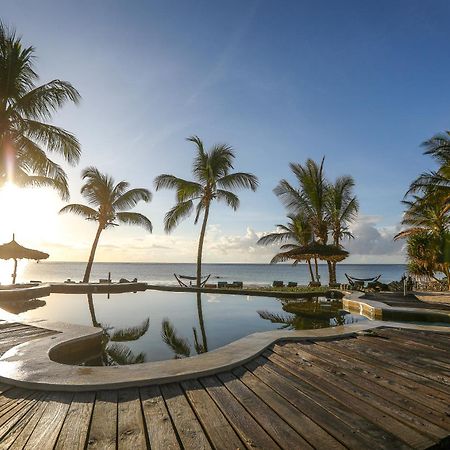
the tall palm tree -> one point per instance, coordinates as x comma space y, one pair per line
341, 210
213, 181
110, 201
309, 198
295, 234
25, 136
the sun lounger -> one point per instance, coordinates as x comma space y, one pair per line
278, 283
292, 284
314, 284
238, 284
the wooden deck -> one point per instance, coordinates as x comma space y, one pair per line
388, 389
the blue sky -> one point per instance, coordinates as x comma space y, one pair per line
363, 83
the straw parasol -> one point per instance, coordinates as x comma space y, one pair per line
13, 250
325, 252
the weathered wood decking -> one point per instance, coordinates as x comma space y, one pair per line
386, 389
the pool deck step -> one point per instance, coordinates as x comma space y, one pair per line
383, 389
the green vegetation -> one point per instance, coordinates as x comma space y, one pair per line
109, 200
213, 181
25, 137
317, 210
426, 218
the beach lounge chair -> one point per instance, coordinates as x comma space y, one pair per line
292, 284
179, 278
314, 284
238, 284
278, 283
222, 284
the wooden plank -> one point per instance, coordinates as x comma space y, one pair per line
377, 359
311, 432
47, 429
188, 427
103, 431
336, 420
273, 425
14, 415
250, 432
367, 403
216, 426
428, 417
411, 339
386, 375
18, 436
382, 349
426, 339
160, 430
374, 424
74, 432
131, 432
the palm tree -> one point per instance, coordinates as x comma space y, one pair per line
109, 200
25, 137
341, 209
308, 199
295, 234
213, 181
427, 232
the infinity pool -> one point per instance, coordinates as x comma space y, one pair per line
157, 325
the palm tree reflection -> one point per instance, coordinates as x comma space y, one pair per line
180, 345
308, 314
112, 350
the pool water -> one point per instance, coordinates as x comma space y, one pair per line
157, 325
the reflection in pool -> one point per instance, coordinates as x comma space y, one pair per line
158, 325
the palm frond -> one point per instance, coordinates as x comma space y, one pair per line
175, 215
130, 198
119, 354
133, 218
130, 333
80, 210
180, 346
238, 180
231, 199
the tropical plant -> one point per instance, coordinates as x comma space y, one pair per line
427, 226
295, 234
25, 136
341, 210
108, 202
213, 181
309, 198
113, 351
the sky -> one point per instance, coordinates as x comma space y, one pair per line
361, 83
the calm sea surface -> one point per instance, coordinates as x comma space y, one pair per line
163, 273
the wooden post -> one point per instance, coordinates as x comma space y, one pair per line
14, 275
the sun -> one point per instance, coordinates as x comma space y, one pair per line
29, 214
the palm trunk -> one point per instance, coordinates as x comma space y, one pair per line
330, 272
200, 246
317, 269
92, 311
201, 321
87, 273
310, 270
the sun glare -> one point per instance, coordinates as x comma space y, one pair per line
28, 213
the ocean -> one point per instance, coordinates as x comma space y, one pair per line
162, 273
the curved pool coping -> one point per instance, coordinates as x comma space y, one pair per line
30, 365
375, 310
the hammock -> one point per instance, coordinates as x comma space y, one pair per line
352, 280
187, 277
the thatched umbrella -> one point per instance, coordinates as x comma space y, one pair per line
314, 250
13, 250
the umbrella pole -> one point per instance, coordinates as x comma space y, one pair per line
15, 271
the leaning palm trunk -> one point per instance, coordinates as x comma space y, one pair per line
200, 246
87, 273
311, 273
201, 321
